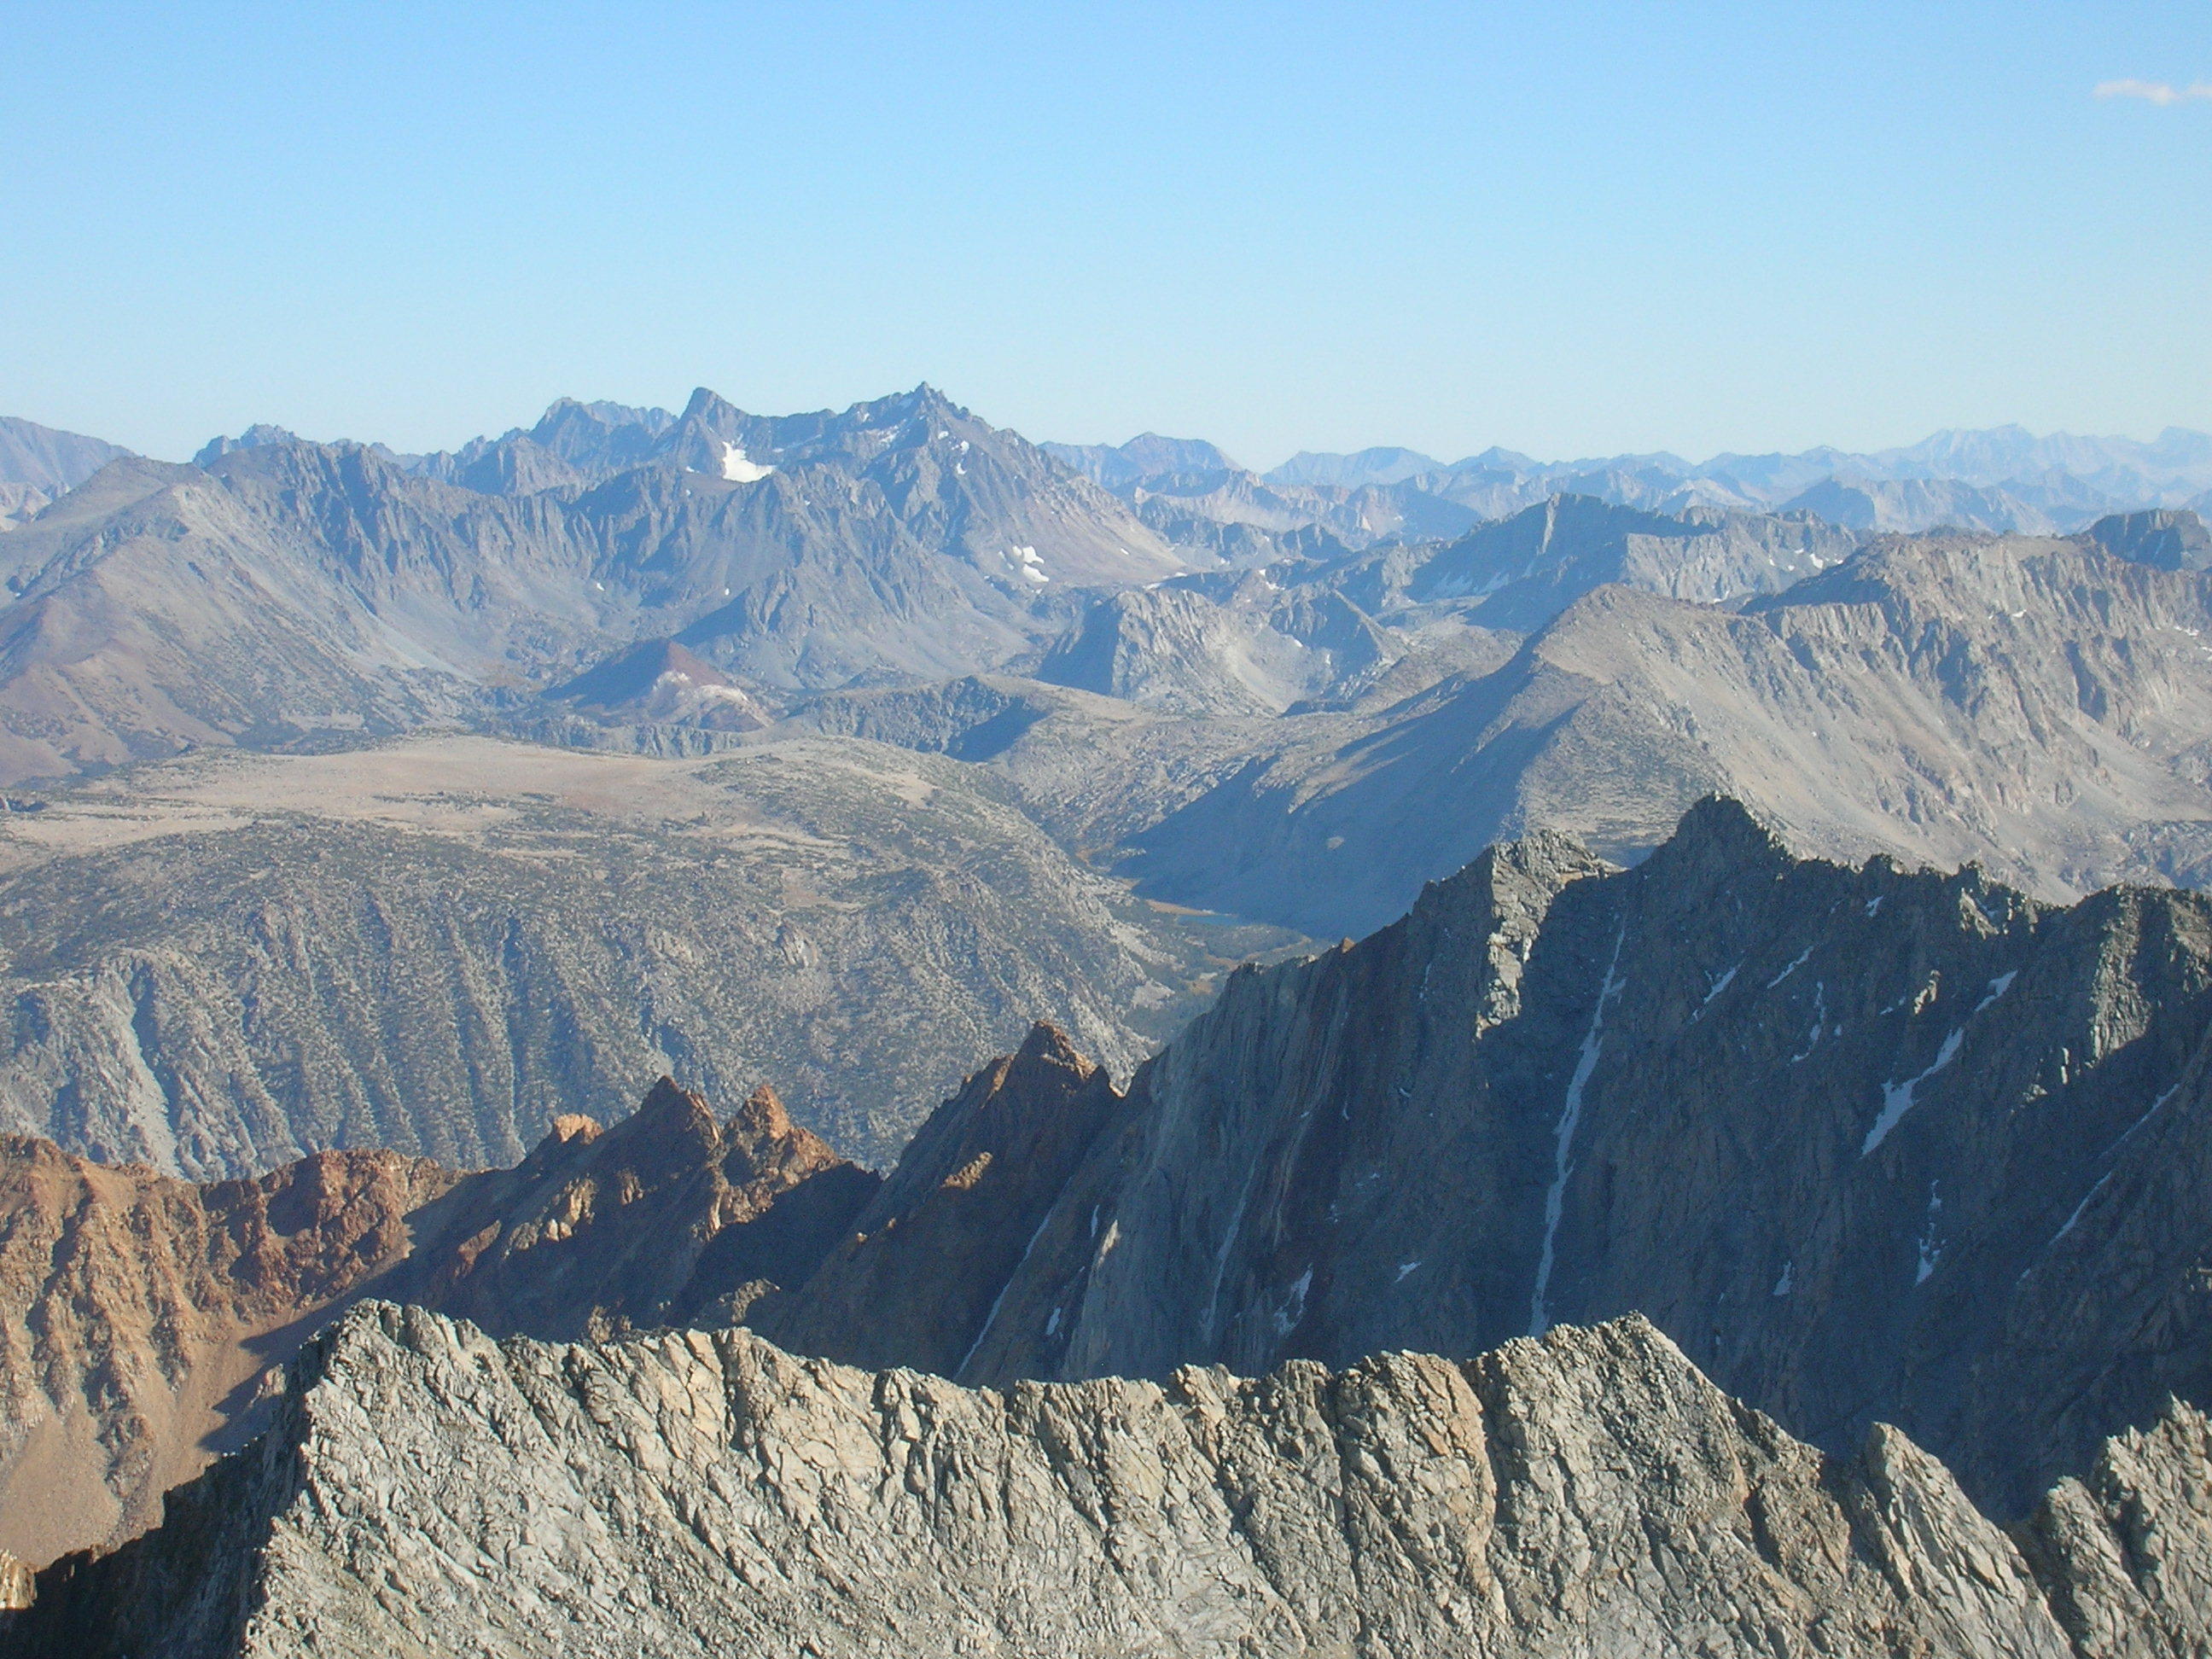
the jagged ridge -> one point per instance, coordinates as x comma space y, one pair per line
426, 1490
140, 1315
1868, 1143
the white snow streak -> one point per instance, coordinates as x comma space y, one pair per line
738, 470
1790, 969
1820, 1018
1998, 987
1930, 1251
1555, 1201
2109, 1150
1897, 1097
992, 1317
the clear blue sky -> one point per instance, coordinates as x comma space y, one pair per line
1573, 228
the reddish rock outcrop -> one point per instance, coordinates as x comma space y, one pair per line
144, 1320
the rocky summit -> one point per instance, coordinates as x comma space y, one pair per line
423, 1488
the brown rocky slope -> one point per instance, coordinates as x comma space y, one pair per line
144, 1320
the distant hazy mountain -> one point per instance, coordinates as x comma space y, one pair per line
260, 435
2004, 479
1147, 455
1519, 572
48, 459
1881, 505
1326, 629
38, 463
283, 588
1369, 466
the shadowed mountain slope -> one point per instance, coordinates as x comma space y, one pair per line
1867, 1144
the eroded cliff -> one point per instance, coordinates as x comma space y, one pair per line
144, 1321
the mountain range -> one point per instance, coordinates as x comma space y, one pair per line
1867, 1144
1744, 1192
283, 591
1289, 736
2034, 703
1812, 1255
2004, 480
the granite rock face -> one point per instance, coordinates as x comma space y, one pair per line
425, 1490
1868, 1144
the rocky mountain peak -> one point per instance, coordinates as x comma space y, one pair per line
673, 1128
138, 1311
1718, 843
259, 435
1859, 1138
761, 1118
956, 1214
1048, 1046
764, 1151
2172, 539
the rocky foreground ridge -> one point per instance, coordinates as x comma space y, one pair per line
425, 1490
